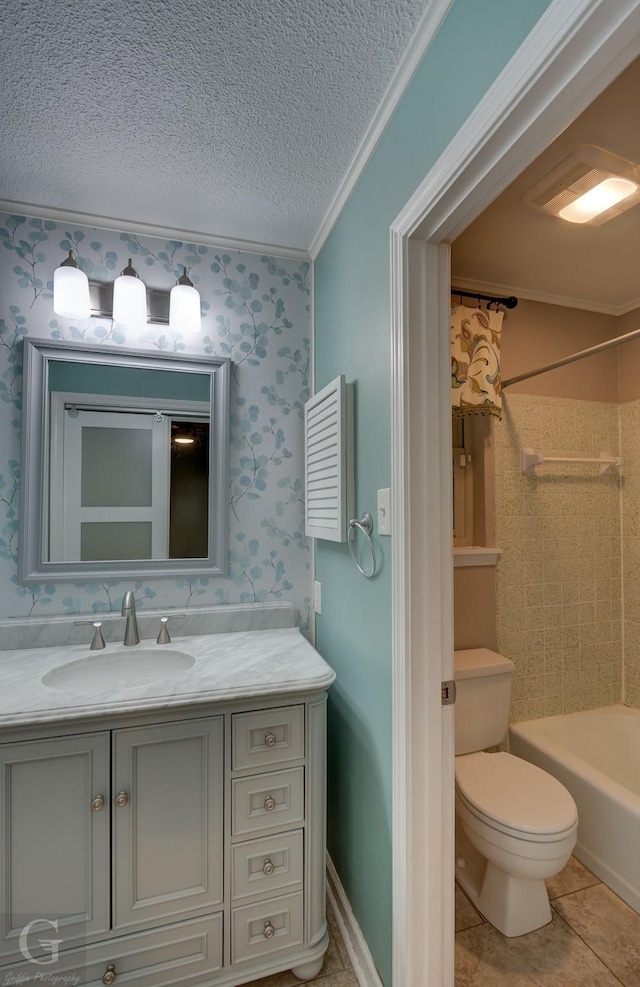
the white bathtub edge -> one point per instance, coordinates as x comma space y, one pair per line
610, 877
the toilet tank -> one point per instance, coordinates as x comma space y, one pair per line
483, 695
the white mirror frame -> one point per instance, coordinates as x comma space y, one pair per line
32, 565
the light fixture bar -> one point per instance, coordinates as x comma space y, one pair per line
101, 300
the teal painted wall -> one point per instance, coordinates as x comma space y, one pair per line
352, 337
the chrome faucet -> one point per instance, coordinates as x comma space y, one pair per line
131, 635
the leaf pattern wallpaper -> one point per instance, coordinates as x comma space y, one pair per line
255, 311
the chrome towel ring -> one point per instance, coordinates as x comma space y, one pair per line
365, 525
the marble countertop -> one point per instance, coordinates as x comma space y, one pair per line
228, 666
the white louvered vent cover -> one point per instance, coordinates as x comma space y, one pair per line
328, 461
579, 173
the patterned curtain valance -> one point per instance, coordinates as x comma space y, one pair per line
475, 362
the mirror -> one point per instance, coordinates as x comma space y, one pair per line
124, 459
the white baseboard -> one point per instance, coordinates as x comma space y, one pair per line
361, 959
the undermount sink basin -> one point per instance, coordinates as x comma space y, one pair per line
118, 670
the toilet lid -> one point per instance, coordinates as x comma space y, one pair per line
514, 793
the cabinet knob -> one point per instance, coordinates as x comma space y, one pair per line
269, 803
97, 803
109, 974
268, 867
269, 930
270, 739
122, 799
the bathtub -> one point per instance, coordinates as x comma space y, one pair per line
596, 755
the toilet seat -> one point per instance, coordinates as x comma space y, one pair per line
515, 797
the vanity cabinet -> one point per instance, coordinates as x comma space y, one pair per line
56, 851
178, 849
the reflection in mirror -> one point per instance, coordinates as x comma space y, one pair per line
133, 449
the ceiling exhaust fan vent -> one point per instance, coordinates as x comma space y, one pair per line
578, 174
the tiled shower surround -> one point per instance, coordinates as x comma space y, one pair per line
559, 579
630, 442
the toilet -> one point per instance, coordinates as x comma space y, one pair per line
516, 826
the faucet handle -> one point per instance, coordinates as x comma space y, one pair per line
164, 636
97, 644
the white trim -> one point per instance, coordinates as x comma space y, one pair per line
423, 886
403, 767
565, 301
424, 34
356, 945
312, 390
150, 229
569, 57
468, 556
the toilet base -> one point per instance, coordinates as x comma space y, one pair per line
514, 905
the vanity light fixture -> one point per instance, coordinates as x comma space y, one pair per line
127, 301
184, 440
129, 298
184, 306
71, 290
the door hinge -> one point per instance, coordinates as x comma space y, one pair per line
448, 693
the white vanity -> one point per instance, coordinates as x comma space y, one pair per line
168, 831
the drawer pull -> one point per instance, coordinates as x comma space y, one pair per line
269, 930
122, 799
109, 974
97, 803
269, 739
268, 867
269, 803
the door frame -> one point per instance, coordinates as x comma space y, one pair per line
572, 54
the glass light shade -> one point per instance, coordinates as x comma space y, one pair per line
184, 309
598, 199
129, 301
71, 293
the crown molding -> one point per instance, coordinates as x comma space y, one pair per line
629, 307
150, 229
420, 42
547, 298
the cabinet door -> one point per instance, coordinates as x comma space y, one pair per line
169, 823
55, 847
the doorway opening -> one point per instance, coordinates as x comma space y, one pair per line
569, 60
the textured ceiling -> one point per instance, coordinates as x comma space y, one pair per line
513, 245
232, 118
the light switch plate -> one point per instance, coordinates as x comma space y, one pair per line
384, 511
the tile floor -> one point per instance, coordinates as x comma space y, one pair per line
336, 971
592, 941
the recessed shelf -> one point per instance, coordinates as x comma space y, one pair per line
475, 555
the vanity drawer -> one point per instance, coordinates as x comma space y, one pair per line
269, 736
267, 801
184, 953
273, 864
257, 930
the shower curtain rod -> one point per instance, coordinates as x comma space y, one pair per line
510, 302
591, 351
